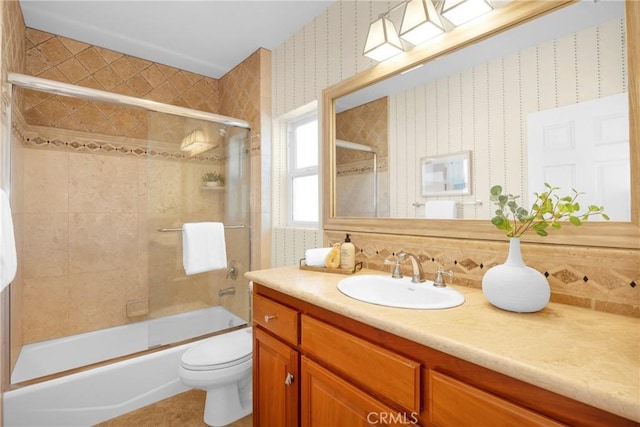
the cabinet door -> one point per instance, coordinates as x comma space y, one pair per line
328, 400
275, 382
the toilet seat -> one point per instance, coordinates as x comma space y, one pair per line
219, 352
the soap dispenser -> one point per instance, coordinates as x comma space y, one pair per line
347, 254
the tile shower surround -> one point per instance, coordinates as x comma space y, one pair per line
91, 255
61, 277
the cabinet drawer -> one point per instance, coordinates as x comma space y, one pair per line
448, 396
381, 371
274, 317
328, 400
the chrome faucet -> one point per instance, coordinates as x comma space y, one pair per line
438, 282
418, 275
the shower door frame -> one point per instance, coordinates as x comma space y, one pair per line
66, 89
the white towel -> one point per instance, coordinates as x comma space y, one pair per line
316, 257
8, 259
203, 247
440, 209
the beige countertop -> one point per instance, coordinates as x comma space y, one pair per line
589, 356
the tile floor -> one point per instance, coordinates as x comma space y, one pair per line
183, 410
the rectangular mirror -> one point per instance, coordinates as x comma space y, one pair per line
475, 90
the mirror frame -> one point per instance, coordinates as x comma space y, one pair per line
597, 234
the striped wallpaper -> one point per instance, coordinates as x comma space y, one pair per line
326, 51
290, 243
484, 109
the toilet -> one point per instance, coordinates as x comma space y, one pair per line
221, 366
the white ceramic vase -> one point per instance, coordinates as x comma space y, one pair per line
515, 287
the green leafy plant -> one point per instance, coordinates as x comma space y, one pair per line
213, 177
548, 209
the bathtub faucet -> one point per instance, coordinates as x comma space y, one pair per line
227, 291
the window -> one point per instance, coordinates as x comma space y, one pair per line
303, 171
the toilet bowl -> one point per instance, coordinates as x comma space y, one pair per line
221, 366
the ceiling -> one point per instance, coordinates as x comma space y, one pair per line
207, 37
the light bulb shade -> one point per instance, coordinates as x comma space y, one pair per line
382, 41
460, 11
195, 143
420, 22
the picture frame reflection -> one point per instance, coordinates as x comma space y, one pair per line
448, 174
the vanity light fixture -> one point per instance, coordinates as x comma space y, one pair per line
420, 22
195, 143
460, 11
382, 40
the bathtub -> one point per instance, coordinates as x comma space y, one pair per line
96, 395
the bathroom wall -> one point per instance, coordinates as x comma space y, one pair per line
328, 50
290, 244
66, 60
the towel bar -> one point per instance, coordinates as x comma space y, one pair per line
164, 230
477, 202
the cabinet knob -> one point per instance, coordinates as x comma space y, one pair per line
289, 379
268, 317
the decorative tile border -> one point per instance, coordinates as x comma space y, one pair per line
361, 167
53, 139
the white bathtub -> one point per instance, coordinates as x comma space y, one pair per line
89, 397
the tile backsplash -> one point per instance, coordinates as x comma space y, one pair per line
601, 279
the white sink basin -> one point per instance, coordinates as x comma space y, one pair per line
384, 290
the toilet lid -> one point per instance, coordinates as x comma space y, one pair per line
220, 351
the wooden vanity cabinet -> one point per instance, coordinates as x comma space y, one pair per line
316, 368
319, 397
275, 364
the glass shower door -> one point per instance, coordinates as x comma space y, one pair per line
182, 155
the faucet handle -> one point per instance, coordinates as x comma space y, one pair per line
391, 260
439, 280
395, 261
